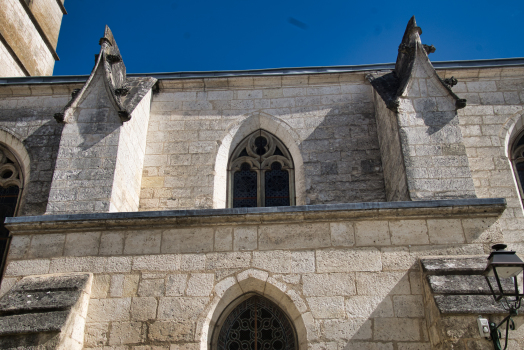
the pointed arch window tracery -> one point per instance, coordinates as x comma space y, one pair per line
261, 173
256, 324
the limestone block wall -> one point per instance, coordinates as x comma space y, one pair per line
18, 30
328, 117
27, 113
346, 278
127, 181
10, 68
491, 119
49, 15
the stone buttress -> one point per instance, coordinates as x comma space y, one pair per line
420, 139
101, 153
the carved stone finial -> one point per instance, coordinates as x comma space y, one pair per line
429, 48
450, 81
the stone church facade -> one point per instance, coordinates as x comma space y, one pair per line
328, 208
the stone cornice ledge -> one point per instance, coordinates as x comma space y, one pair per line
324, 212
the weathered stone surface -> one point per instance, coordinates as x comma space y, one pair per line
342, 284
348, 260
369, 306
464, 284
356, 328
35, 293
326, 307
463, 265
467, 304
279, 261
400, 329
181, 309
45, 312
382, 283
294, 236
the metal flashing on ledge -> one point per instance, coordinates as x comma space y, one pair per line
470, 64
438, 208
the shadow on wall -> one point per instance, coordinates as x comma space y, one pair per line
342, 161
338, 145
42, 146
387, 309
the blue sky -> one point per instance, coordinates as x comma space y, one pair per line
181, 35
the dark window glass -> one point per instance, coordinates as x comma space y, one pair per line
8, 200
277, 186
245, 187
256, 324
520, 172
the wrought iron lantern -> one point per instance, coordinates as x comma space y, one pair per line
502, 275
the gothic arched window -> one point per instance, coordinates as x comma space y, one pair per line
10, 185
256, 324
517, 157
261, 173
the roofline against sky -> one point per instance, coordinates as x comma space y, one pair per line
467, 64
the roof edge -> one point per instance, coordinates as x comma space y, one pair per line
467, 64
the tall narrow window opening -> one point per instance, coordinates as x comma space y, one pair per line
10, 190
256, 324
261, 173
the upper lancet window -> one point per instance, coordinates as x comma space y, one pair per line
517, 156
261, 173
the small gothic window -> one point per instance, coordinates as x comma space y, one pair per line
517, 155
10, 185
256, 324
261, 173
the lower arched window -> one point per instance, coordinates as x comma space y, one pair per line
10, 186
256, 324
261, 173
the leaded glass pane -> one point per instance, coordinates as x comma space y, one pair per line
244, 187
277, 186
256, 324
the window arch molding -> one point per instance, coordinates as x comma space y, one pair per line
516, 153
236, 132
241, 310
261, 173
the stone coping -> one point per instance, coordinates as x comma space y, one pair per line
369, 210
486, 63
